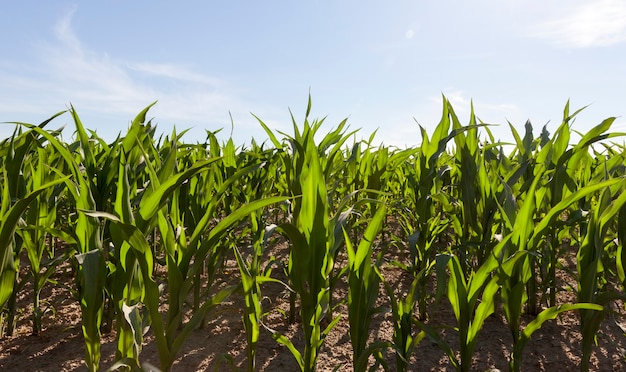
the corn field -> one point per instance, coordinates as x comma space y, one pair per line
144, 228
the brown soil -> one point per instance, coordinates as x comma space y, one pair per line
221, 344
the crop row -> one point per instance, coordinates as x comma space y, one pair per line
148, 221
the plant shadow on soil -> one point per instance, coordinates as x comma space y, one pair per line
221, 344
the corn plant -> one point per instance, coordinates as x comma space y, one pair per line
126, 289
363, 286
405, 336
378, 170
87, 235
525, 236
432, 205
314, 235
310, 263
17, 154
589, 266
252, 276
256, 185
464, 295
185, 257
35, 238
250, 273
476, 192
620, 254
568, 174
151, 221
9, 264
91, 274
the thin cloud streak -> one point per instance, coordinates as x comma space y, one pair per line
598, 24
98, 83
63, 31
173, 71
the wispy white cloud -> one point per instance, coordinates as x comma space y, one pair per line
173, 71
98, 80
64, 32
597, 23
68, 71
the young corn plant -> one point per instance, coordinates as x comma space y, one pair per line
185, 256
363, 286
568, 174
35, 237
171, 334
310, 262
140, 203
476, 193
377, 170
524, 235
464, 294
590, 268
127, 284
252, 277
256, 185
10, 213
17, 154
314, 235
251, 284
114, 187
434, 210
405, 338
90, 277
620, 254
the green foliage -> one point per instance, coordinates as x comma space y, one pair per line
150, 221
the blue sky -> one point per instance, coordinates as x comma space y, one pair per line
379, 65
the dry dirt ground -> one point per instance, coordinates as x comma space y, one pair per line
221, 344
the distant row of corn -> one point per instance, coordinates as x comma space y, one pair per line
150, 221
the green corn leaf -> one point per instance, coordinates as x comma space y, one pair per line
155, 200
620, 255
281, 339
547, 314
132, 136
92, 281
139, 325
552, 313
8, 224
